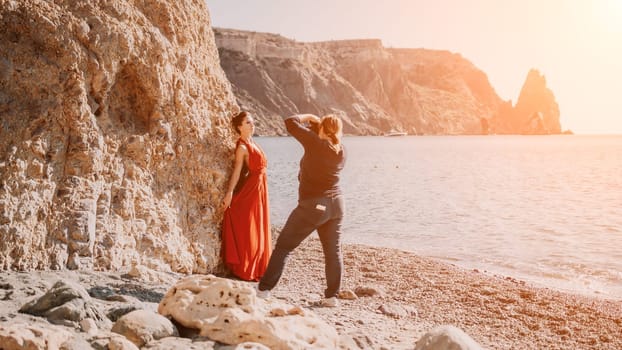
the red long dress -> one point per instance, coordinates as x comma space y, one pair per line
246, 241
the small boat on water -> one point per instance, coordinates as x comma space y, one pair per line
396, 133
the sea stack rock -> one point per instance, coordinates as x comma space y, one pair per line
114, 136
536, 111
375, 89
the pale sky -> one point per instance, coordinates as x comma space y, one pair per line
576, 44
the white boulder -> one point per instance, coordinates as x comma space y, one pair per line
230, 312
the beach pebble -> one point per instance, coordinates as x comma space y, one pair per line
445, 338
76, 344
347, 295
174, 343
119, 343
277, 312
142, 326
368, 291
564, 331
116, 313
88, 326
397, 311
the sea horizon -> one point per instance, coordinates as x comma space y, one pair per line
540, 209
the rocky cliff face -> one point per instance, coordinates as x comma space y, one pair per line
114, 136
536, 111
375, 89
275, 77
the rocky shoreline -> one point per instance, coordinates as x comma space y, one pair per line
115, 149
498, 312
401, 296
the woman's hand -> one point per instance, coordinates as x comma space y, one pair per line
241, 156
226, 202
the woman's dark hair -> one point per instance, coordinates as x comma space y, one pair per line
237, 121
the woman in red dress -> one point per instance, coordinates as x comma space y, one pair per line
246, 241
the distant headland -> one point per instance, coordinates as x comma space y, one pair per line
377, 89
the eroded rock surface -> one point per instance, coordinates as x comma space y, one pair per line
114, 136
66, 303
230, 312
536, 111
18, 336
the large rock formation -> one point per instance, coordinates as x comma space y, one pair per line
536, 111
114, 137
230, 312
275, 77
375, 89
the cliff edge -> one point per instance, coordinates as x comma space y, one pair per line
373, 88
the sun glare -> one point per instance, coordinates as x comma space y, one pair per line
609, 14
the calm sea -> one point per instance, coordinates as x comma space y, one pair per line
545, 209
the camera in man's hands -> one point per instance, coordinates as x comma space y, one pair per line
314, 126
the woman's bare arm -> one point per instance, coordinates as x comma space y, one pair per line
241, 154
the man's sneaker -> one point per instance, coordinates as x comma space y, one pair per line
263, 294
329, 302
